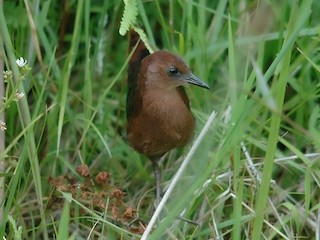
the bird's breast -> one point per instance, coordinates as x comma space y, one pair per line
164, 123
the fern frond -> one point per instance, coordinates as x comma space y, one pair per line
143, 38
17, 230
129, 16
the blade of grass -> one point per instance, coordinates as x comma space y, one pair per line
237, 216
97, 217
25, 118
34, 34
63, 231
64, 82
237, 183
2, 135
280, 86
87, 73
311, 31
101, 98
176, 177
146, 22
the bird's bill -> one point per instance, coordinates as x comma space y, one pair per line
192, 79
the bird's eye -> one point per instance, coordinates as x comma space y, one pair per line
172, 71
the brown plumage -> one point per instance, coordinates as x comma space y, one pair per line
158, 111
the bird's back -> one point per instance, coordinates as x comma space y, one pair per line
140, 52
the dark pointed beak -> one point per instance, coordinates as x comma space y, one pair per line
192, 79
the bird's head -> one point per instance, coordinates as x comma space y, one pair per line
166, 70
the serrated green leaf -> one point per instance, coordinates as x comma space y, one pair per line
143, 38
129, 16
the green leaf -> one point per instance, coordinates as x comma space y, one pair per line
129, 16
143, 38
17, 230
64, 222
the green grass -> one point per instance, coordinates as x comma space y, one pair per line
254, 175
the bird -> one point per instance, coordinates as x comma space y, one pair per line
158, 112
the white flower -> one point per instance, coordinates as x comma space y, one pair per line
2, 126
21, 62
19, 95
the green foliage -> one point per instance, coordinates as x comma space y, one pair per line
64, 221
255, 174
129, 17
129, 20
143, 38
17, 231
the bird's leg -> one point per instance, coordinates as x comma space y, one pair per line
157, 175
187, 220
